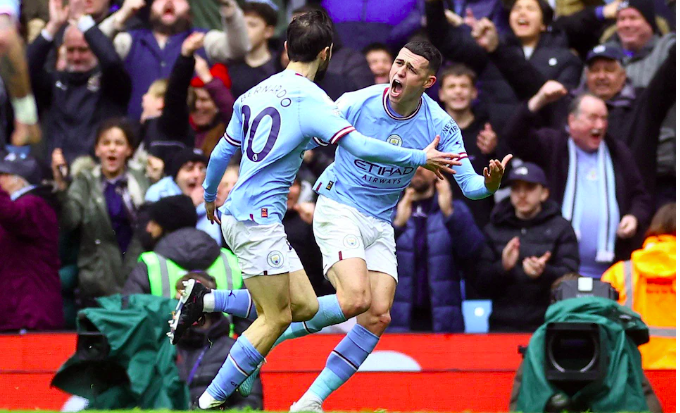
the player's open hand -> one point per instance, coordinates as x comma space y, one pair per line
210, 210
494, 173
439, 161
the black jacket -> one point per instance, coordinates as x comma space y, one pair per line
549, 149
519, 302
635, 114
189, 248
480, 208
215, 339
551, 57
79, 102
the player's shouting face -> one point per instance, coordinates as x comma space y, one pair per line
409, 77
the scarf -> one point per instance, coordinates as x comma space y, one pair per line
574, 201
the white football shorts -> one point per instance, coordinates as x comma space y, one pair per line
260, 249
343, 232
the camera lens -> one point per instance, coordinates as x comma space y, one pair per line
573, 351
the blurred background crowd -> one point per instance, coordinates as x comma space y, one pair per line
100, 187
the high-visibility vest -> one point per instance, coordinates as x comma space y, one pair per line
655, 354
646, 284
164, 273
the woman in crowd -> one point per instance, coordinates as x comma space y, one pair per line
532, 38
101, 204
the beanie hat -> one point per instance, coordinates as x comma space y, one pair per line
646, 9
173, 213
218, 71
182, 157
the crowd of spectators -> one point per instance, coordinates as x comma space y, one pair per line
115, 105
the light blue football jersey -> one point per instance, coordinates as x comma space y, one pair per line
273, 123
374, 188
10, 7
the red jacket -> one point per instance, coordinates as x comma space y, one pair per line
29, 264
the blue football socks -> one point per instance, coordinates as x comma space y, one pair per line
242, 360
235, 302
344, 361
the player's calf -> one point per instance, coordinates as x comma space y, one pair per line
303, 301
375, 320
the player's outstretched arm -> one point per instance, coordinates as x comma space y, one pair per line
374, 150
480, 186
219, 160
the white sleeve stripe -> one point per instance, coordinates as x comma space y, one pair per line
232, 140
319, 141
462, 155
342, 132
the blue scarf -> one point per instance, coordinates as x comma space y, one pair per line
574, 201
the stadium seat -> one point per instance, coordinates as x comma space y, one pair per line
476, 315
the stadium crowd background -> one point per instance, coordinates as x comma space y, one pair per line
133, 96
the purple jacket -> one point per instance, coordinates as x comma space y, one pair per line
29, 264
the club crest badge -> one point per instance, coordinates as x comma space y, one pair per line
275, 259
351, 241
394, 140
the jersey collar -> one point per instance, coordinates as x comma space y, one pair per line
395, 115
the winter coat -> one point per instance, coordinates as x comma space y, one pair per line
450, 242
79, 102
362, 22
480, 208
168, 187
29, 262
642, 66
548, 148
102, 268
146, 61
216, 342
635, 113
187, 247
653, 286
243, 77
519, 302
551, 57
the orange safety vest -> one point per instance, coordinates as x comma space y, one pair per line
646, 284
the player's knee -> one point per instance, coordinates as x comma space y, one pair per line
356, 304
380, 316
277, 323
384, 319
304, 311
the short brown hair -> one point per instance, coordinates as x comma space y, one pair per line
120, 123
200, 276
663, 222
458, 69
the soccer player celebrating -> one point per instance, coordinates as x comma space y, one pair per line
352, 220
273, 124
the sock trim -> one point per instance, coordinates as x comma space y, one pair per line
237, 366
250, 305
304, 325
342, 357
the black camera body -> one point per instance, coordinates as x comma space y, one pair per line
583, 287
